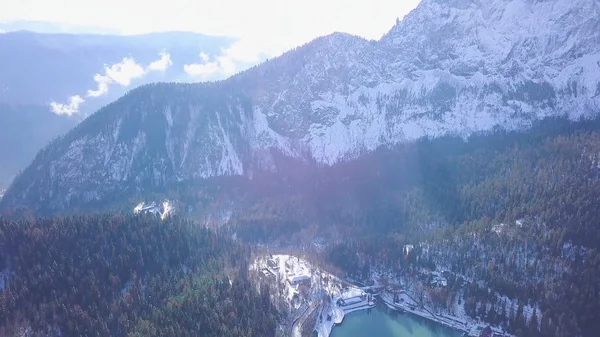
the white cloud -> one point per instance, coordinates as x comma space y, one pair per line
250, 50
103, 82
203, 70
240, 55
125, 71
67, 109
162, 64
122, 73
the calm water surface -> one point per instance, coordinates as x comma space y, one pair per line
383, 322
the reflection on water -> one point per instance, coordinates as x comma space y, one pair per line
383, 322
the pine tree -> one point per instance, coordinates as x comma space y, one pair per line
503, 311
520, 317
511, 317
533, 323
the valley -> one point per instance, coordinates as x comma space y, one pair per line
471, 230
440, 181
506, 248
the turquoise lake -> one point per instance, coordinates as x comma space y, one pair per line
383, 322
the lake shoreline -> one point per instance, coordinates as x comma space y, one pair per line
409, 305
384, 316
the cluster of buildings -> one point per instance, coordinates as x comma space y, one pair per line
294, 273
435, 278
351, 301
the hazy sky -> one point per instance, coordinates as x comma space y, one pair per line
265, 28
275, 24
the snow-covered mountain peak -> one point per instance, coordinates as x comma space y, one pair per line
491, 30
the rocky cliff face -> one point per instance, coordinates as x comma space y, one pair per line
448, 67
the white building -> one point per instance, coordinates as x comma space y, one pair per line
297, 279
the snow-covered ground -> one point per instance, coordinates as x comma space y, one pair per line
333, 313
406, 303
163, 210
306, 288
454, 317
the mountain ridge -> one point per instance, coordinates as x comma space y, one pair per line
338, 97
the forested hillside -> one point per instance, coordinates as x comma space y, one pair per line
515, 213
515, 210
122, 275
446, 69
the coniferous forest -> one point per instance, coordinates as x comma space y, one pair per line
125, 275
516, 210
513, 215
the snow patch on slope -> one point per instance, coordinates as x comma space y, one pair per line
264, 137
230, 163
163, 210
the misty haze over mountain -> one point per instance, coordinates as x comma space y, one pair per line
53, 28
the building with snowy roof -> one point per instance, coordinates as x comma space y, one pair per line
343, 302
297, 279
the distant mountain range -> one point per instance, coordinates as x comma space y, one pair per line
449, 67
53, 28
44, 68
23, 131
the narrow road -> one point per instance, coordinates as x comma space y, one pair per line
297, 325
421, 305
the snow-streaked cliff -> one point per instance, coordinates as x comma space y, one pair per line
449, 67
